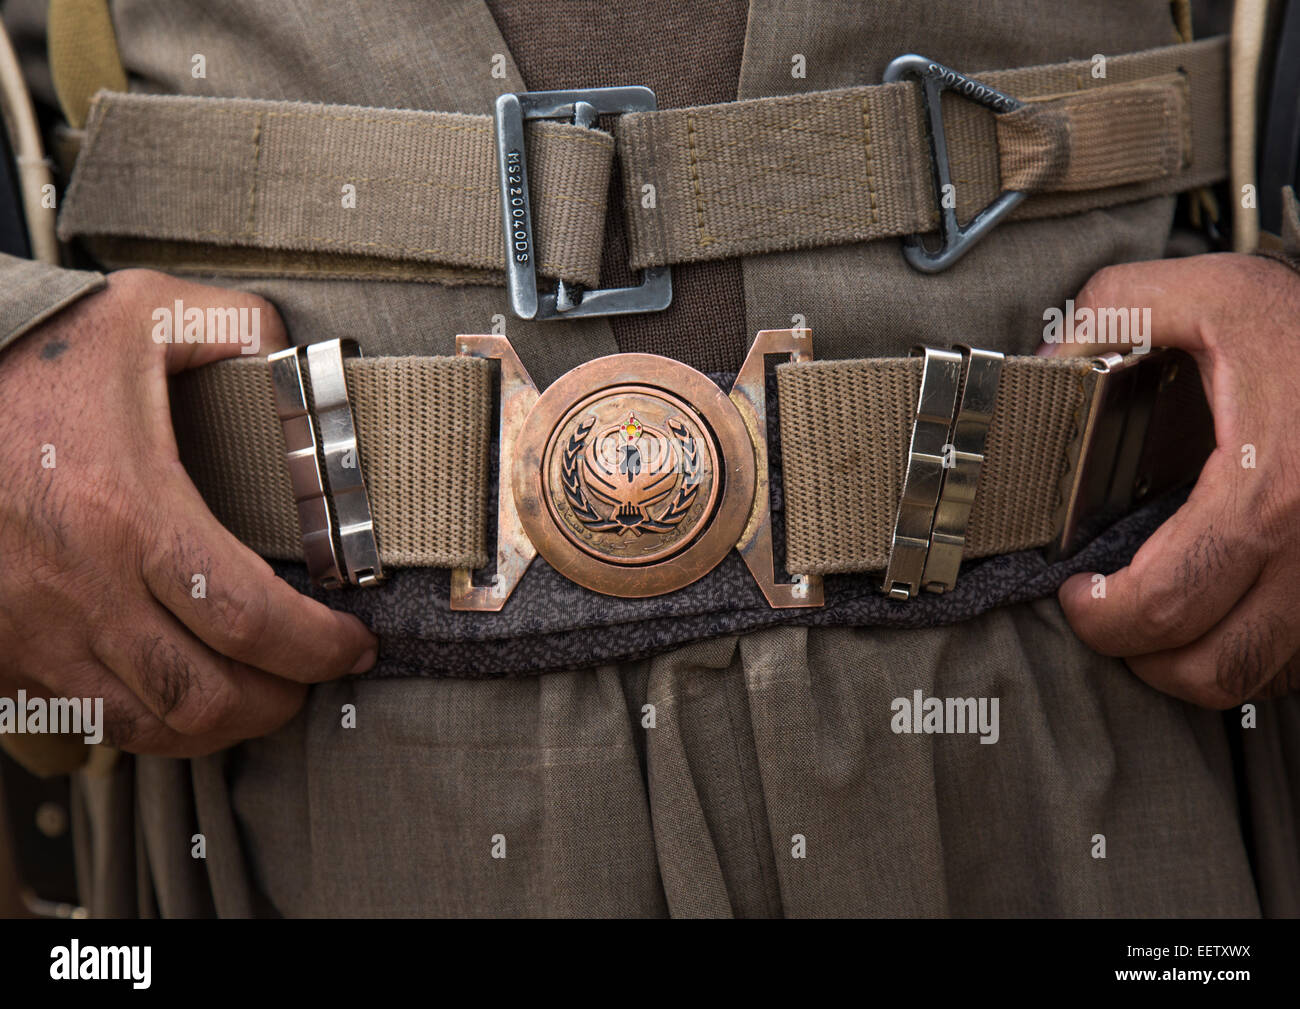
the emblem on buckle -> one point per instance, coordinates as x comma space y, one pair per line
632, 492
633, 475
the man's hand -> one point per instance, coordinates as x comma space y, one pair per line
102, 534
1209, 608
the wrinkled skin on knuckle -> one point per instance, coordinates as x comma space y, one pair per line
119, 513
172, 558
165, 677
136, 283
1100, 284
86, 677
126, 728
1163, 611
187, 700
1274, 514
1211, 552
125, 311
241, 610
1245, 660
1285, 681
209, 709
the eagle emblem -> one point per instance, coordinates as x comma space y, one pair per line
629, 478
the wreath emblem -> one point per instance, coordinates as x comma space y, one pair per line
631, 469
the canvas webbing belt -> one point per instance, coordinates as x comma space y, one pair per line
424, 429
258, 185
269, 176
424, 426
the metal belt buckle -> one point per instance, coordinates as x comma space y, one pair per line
633, 475
568, 301
1111, 468
957, 241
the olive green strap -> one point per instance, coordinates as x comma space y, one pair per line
852, 421
362, 190
293, 189
423, 429
853, 165
83, 55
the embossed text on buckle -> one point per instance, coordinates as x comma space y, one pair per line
634, 475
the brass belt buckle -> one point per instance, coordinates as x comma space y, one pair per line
633, 475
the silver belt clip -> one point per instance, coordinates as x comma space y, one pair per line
581, 107
338, 492
953, 412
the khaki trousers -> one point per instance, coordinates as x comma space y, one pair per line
546, 796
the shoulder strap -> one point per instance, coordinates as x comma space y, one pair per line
83, 55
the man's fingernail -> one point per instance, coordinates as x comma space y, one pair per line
365, 662
1045, 350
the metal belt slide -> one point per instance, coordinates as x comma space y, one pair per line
339, 493
958, 391
581, 107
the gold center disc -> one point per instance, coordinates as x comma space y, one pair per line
634, 475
